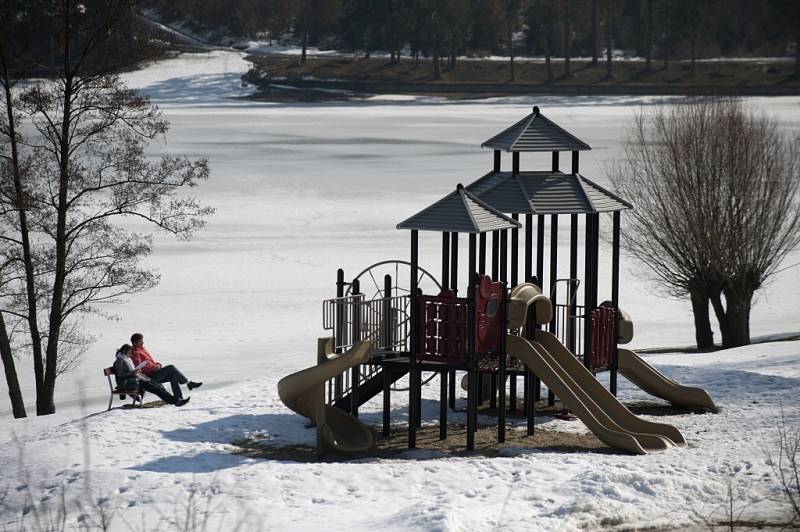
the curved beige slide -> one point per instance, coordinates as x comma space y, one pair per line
656, 383
600, 411
304, 392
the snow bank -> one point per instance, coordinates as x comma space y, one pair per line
149, 465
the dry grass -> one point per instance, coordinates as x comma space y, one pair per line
730, 73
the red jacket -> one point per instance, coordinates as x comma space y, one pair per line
141, 354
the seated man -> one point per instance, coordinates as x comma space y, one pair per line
130, 378
155, 371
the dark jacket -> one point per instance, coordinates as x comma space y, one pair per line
127, 378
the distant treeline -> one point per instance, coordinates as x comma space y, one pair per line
660, 30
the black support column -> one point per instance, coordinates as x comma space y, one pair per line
472, 388
495, 255
615, 299
445, 260
573, 275
551, 398
481, 254
413, 372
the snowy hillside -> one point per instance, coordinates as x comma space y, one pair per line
148, 466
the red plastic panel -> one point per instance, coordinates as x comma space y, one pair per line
602, 337
489, 310
442, 329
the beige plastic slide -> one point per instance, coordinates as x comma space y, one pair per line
577, 387
606, 417
304, 393
656, 383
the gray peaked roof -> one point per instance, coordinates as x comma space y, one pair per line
535, 132
545, 193
459, 212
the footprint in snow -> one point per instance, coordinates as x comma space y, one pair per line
123, 489
21, 487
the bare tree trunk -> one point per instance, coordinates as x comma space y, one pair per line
305, 45
44, 401
693, 45
733, 317
14, 392
609, 41
511, 53
704, 336
567, 40
437, 69
649, 44
797, 50
27, 258
594, 32
548, 63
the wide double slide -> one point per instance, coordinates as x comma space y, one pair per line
652, 381
581, 392
304, 392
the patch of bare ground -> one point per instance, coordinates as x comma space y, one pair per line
151, 404
430, 446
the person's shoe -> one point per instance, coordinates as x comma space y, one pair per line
192, 385
181, 402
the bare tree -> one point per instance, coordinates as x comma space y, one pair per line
786, 465
567, 19
609, 40
80, 167
716, 195
594, 33
512, 23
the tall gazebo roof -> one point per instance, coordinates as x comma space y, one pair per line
545, 193
459, 212
534, 133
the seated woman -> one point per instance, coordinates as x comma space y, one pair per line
129, 376
155, 371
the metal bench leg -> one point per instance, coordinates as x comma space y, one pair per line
110, 400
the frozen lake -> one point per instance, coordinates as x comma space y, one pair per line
304, 189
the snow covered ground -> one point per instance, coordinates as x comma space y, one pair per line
300, 190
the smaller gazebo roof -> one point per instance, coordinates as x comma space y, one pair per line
459, 212
533, 133
546, 193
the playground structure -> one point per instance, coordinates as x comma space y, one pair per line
504, 327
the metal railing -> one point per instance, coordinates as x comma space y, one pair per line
384, 321
569, 324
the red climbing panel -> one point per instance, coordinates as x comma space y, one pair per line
442, 328
489, 310
602, 337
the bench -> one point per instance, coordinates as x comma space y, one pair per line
136, 395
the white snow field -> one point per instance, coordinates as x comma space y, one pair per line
301, 190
